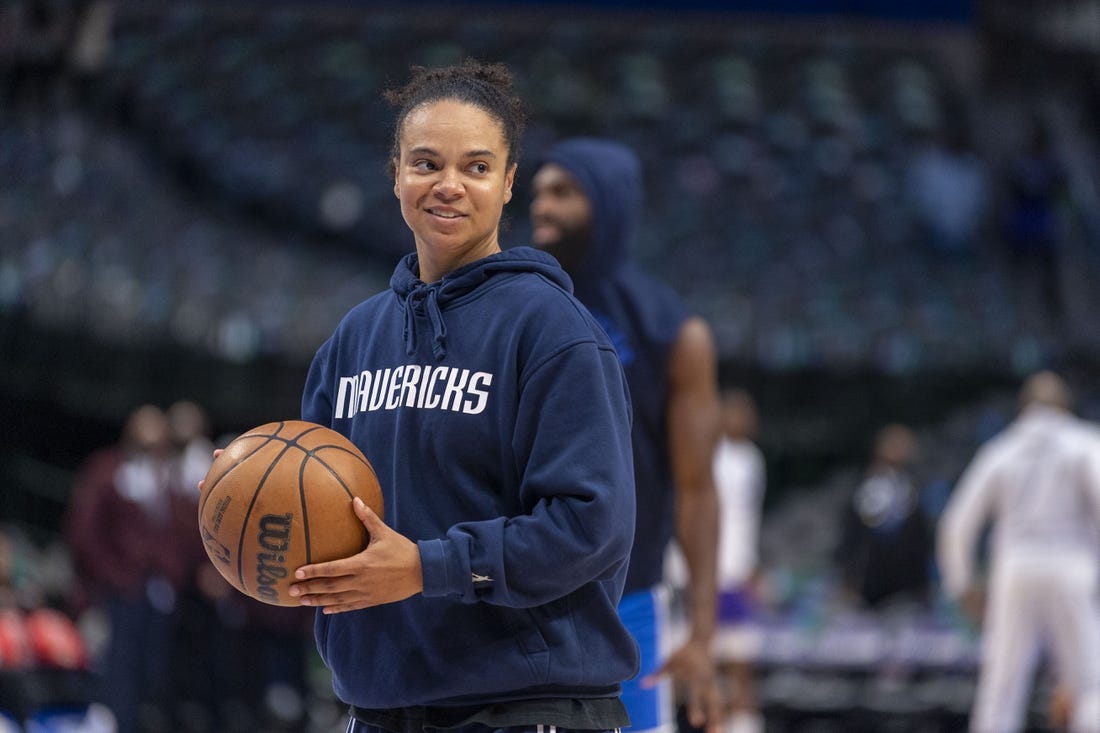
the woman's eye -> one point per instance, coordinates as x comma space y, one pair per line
479, 168
424, 165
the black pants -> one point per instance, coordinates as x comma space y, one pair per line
355, 726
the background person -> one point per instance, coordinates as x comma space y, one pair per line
132, 562
585, 210
1038, 482
740, 478
886, 542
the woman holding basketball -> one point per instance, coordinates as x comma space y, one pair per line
495, 413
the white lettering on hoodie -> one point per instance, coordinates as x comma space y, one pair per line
413, 386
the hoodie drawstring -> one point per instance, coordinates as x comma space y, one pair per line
439, 328
409, 331
428, 297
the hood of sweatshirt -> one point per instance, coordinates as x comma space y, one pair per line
611, 176
432, 299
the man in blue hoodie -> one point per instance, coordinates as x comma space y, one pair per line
496, 415
586, 208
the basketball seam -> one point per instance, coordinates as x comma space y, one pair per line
251, 505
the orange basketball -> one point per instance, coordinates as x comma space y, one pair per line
279, 497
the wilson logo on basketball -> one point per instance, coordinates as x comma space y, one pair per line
271, 565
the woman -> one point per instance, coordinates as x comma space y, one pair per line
496, 416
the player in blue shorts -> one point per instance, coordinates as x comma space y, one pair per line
585, 210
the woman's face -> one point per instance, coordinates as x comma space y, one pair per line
453, 179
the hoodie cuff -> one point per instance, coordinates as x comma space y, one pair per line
438, 577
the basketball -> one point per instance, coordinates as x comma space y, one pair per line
279, 497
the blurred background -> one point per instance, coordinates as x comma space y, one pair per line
193, 193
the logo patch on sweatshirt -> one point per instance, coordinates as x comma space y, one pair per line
414, 386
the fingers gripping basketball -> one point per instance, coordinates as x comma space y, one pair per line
279, 497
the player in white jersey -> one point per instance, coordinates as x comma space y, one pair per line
1038, 482
739, 478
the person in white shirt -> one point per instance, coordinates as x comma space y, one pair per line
1038, 482
739, 477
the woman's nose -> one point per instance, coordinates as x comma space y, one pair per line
449, 182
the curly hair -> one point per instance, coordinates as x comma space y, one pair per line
486, 86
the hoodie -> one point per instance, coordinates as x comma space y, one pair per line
643, 318
495, 414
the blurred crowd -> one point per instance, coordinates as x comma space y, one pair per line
889, 596
833, 611
146, 635
882, 205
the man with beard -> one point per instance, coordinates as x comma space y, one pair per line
585, 210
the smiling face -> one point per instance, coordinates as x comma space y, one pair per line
453, 178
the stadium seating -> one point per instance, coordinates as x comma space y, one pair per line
777, 174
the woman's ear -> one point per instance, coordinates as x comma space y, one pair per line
509, 179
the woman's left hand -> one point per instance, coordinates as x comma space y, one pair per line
387, 570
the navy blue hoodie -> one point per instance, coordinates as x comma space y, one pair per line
495, 413
643, 317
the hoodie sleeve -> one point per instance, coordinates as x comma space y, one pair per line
572, 446
317, 394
